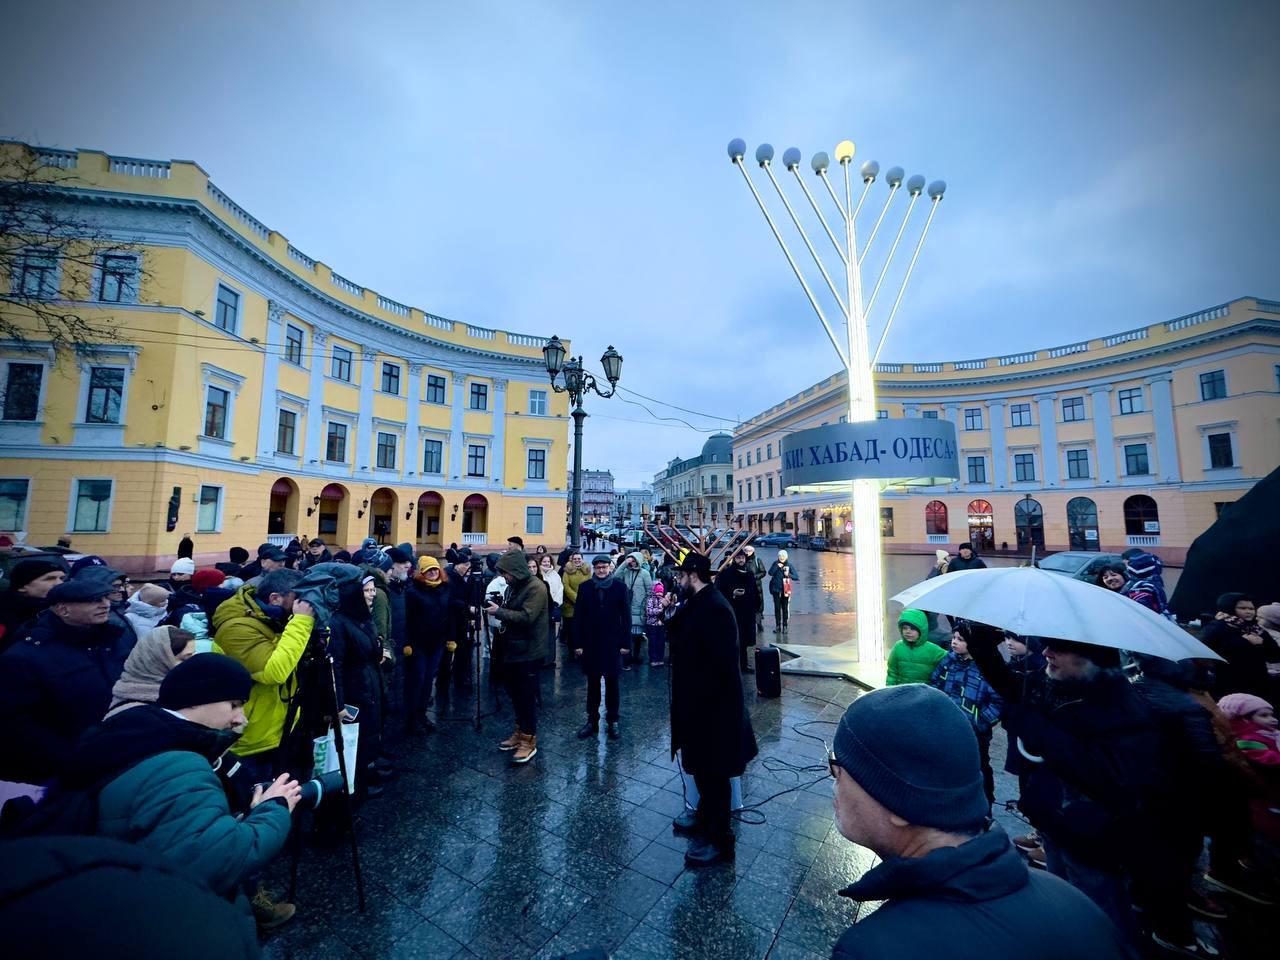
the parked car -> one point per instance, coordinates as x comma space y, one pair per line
819, 543
776, 540
1078, 564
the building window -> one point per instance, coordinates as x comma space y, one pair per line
930, 415
1072, 409
286, 431
118, 278
13, 504
391, 378
106, 394
435, 388
92, 506
22, 391
35, 275
739, 461
1020, 415
739, 489
770, 483
758, 457
935, 518
882, 414
226, 309
759, 489
1141, 516
1213, 385
532, 519
433, 456
886, 521
537, 403
207, 516
768, 451
340, 365
977, 469
1130, 400
335, 446
537, 464
215, 412
386, 451
293, 339
1024, 466
1135, 460
1077, 464
479, 396
475, 459
748, 458
973, 418
1028, 523
1220, 455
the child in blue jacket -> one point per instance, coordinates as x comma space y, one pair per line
959, 678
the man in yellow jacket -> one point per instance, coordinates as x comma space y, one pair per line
265, 628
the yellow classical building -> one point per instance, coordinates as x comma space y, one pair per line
1133, 440
251, 393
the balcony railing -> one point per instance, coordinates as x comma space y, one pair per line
524, 340
62, 159
342, 283
474, 538
480, 333
130, 166
971, 365
886, 368
1145, 540
302, 258
281, 540
1127, 337
240, 213
1017, 358
392, 307
927, 367
439, 323
1191, 319
1069, 349
937, 538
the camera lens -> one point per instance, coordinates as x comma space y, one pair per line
314, 791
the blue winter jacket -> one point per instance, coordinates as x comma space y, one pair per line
961, 680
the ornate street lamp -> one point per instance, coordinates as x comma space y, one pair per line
577, 382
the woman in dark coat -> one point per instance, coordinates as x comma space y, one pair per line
1236, 636
739, 585
357, 653
709, 722
601, 636
426, 614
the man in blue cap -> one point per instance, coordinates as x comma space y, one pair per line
56, 682
908, 786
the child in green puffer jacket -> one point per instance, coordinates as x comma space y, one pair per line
913, 658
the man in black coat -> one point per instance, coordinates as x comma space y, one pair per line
29, 584
709, 723
601, 637
965, 559
740, 587
56, 682
455, 663
1100, 766
954, 885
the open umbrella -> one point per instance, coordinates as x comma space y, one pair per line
1033, 602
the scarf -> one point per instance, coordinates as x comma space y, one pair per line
149, 661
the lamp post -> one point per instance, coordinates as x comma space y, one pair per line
576, 383
853, 308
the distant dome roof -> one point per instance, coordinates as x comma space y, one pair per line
718, 448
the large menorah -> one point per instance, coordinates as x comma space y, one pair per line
854, 309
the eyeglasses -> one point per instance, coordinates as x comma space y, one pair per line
833, 765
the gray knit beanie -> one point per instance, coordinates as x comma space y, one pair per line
915, 752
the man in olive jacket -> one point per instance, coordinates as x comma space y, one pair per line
266, 629
709, 722
165, 795
523, 618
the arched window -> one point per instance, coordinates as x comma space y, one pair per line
1141, 516
1082, 524
1028, 521
982, 533
935, 518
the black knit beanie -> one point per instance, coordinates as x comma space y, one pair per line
915, 752
24, 571
205, 678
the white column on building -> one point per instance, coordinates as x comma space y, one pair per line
1170, 470
499, 430
1102, 434
315, 397
457, 451
364, 425
999, 455
412, 442
267, 407
1049, 469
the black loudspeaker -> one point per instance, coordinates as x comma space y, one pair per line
768, 671
175, 506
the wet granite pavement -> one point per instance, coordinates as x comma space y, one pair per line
466, 856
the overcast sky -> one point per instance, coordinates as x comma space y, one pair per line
561, 168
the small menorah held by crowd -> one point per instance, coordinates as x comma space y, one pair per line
720, 548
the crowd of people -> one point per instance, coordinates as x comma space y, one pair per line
1127, 765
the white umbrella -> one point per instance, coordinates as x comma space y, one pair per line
1034, 602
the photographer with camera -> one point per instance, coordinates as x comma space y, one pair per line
521, 642
266, 629
153, 773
